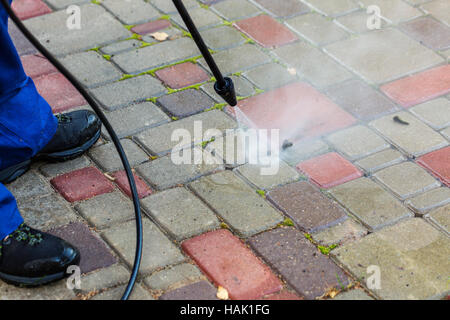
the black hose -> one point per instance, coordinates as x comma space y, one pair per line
113, 135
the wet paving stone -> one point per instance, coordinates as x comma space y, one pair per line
286, 8
230, 264
238, 204
439, 9
310, 210
370, 203
438, 162
203, 19
242, 86
94, 252
412, 257
186, 103
270, 76
298, 261
304, 150
356, 22
202, 290
428, 31
182, 75
222, 37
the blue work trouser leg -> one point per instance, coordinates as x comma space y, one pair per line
27, 123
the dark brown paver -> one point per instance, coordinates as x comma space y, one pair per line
202, 290
306, 206
182, 75
150, 27
186, 103
305, 269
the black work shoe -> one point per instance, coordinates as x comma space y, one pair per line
31, 258
77, 132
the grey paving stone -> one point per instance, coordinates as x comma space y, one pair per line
312, 64
429, 200
429, 32
164, 173
103, 279
231, 150
98, 28
243, 88
355, 294
235, 9
356, 22
168, 6
441, 218
316, 29
136, 118
305, 269
269, 76
46, 212
23, 46
174, 277
252, 173
202, 290
310, 210
158, 250
439, 10
121, 46
186, 102
303, 151
91, 69
122, 93
107, 158
56, 169
412, 257
357, 142
370, 203
238, 59
446, 133
180, 212
139, 293
203, 18
158, 140
383, 55
394, 11
164, 53
333, 8
29, 185
435, 113
131, 12
238, 204
53, 291
343, 232
414, 139
286, 8
62, 4
106, 210
380, 160
223, 37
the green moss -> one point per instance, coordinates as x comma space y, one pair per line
288, 223
174, 118
145, 44
258, 91
227, 23
153, 157
205, 143
164, 17
107, 57
204, 6
223, 225
127, 76
129, 26
96, 49
152, 99
262, 193
326, 250
218, 106
135, 36
308, 236
96, 2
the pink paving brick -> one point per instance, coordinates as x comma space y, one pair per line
419, 88
438, 162
182, 75
82, 184
298, 110
329, 170
122, 182
26, 9
151, 27
59, 92
230, 264
266, 31
36, 65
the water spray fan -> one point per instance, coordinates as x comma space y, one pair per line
224, 87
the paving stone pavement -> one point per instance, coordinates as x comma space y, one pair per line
364, 119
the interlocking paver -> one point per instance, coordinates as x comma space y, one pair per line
283, 295
441, 217
439, 9
82, 184
121, 46
357, 142
420, 87
380, 160
138, 293
238, 204
412, 257
175, 276
168, 6
158, 250
380, 56
406, 179
243, 88
446, 133
26, 9
54, 291
269, 76
203, 18
35, 65
435, 113
438, 162
107, 209
62, 4
58, 168
329, 170
355, 294
429, 200
103, 278
133, 12
305, 269
28, 186
121, 179
93, 251
428, 31
186, 102
230, 264
306, 206
394, 11
202, 290
235, 9
317, 29
370, 203
343, 232
150, 27
222, 37
414, 138
334, 8
356, 22
304, 150
182, 75
286, 8
22, 44
180, 212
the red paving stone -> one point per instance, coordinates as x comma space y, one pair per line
266, 31
122, 182
59, 92
26, 9
82, 184
36, 65
230, 264
329, 170
151, 27
438, 162
298, 110
419, 88
182, 75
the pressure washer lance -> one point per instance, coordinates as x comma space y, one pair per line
224, 87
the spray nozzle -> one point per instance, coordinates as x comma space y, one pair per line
227, 91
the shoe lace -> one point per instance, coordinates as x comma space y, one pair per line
63, 118
23, 233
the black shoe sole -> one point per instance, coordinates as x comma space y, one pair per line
32, 282
10, 174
